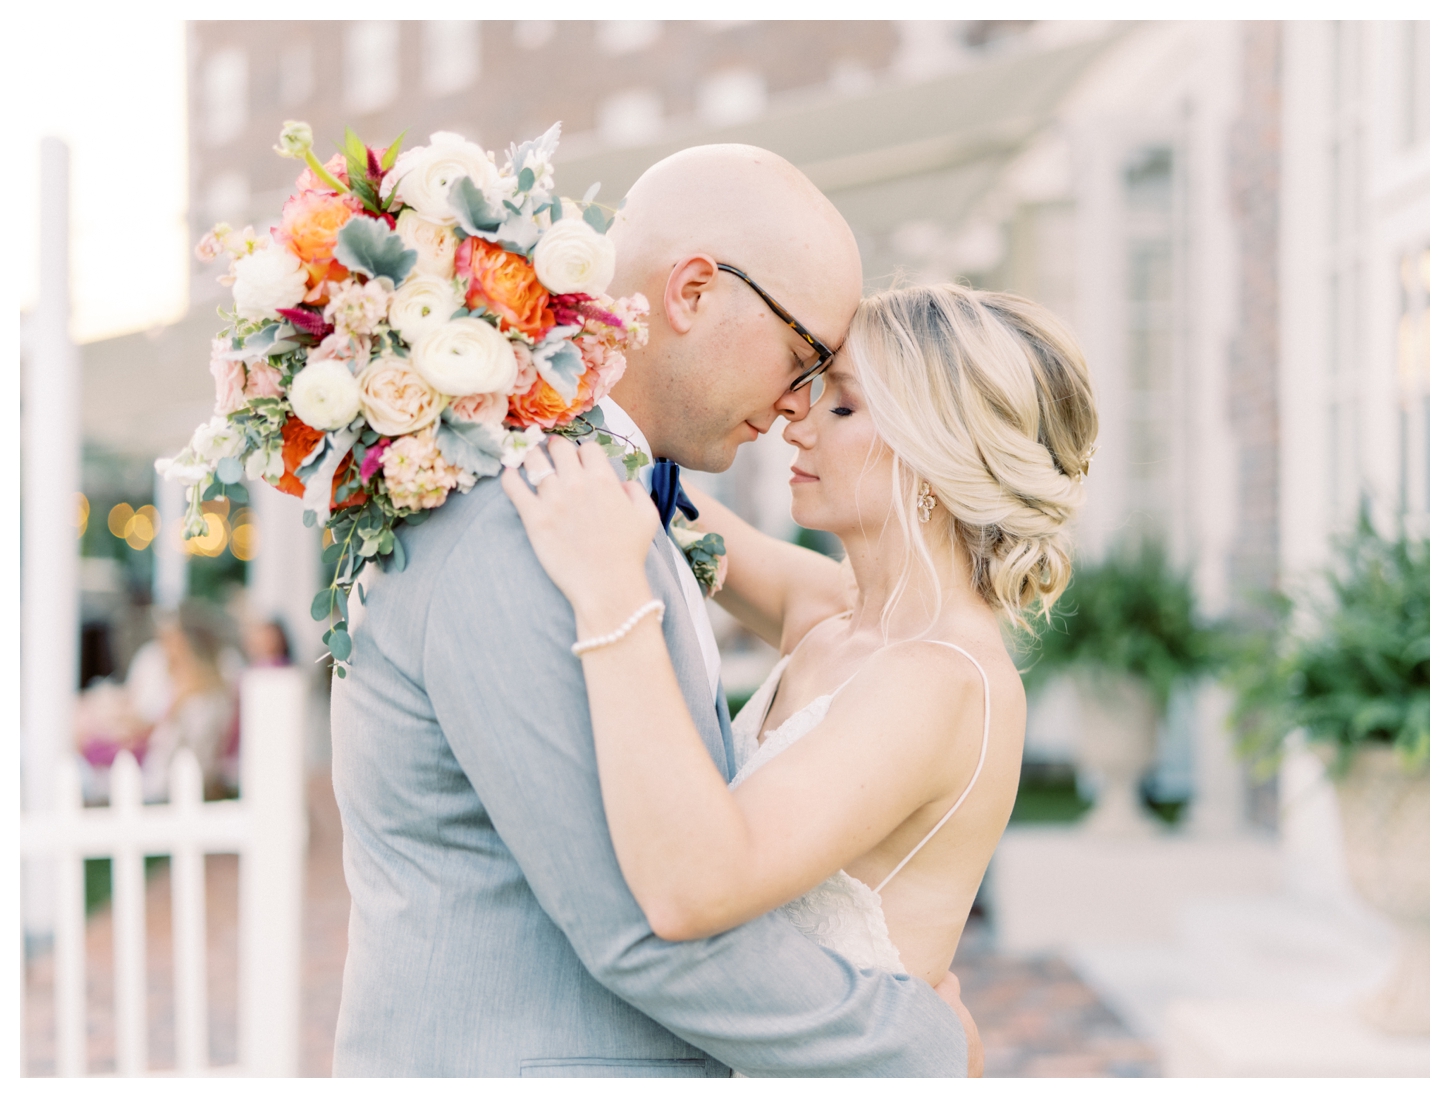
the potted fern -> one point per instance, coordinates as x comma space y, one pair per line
1128, 632
1351, 673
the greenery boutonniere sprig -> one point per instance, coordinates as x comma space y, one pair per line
705, 552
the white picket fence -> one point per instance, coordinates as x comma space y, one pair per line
266, 827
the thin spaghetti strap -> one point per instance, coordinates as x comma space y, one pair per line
981, 759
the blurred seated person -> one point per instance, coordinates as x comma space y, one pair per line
175, 696
266, 645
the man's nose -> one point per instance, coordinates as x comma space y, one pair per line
794, 404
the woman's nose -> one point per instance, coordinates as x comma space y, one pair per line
799, 434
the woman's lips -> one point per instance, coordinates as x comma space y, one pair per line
799, 477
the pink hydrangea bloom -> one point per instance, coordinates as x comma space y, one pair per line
415, 473
230, 377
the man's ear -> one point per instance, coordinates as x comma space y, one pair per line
684, 289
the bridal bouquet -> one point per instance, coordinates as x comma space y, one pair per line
417, 320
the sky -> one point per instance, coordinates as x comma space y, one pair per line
115, 91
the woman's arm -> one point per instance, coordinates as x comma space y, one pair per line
775, 589
698, 858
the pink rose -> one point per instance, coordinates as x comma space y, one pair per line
230, 377
528, 373
485, 408
263, 380
610, 373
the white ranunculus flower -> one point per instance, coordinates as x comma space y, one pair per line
573, 258
423, 304
267, 280
395, 398
466, 356
435, 244
185, 468
217, 438
425, 175
517, 444
325, 395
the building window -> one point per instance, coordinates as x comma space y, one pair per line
450, 55
1412, 357
631, 117
734, 95
227, 198
370, 64
294, 75
224, 84
1148, 199
620, 36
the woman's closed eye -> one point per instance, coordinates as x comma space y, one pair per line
842, 410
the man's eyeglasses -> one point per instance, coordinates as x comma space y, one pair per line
823, 353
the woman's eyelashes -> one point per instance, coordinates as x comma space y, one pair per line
842, 410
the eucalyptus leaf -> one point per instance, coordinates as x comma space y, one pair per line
368, 246
322, 604
595, 217
526, 180
229, 470
340, 645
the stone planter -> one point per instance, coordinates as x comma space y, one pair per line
1385, 813
1119, 724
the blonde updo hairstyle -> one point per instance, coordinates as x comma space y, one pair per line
984, 397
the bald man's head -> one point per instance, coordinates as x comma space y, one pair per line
719, 363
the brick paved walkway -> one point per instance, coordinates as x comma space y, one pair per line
1036, 1017
1038, 1020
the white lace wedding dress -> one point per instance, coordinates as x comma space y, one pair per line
841, 913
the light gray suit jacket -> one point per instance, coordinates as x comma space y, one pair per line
491, 931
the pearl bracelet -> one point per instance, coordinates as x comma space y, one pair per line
654, 606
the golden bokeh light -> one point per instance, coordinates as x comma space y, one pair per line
83, 514
214, 541
222, 507
244, 541
140, 529
118, 518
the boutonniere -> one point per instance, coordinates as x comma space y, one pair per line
705, 552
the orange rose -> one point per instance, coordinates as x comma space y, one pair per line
298, 441
542, 404
504, 284
310, 223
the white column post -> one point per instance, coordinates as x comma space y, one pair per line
273, 710
285, 574
168, 585
50, 606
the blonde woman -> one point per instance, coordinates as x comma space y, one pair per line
878, 763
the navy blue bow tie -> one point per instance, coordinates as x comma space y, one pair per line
665, 490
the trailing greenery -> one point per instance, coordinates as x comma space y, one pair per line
1132, 613
1356, 670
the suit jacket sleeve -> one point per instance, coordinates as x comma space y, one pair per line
511, 701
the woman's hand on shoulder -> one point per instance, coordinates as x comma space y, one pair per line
590, 531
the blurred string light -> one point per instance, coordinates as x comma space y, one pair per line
137, 528
83, 514
244, 535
